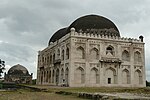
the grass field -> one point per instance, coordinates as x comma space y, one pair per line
48, 92
28, 95
145, 90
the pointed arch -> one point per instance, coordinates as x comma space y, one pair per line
138, 77
137, 57
58, 53
48, 59
94, 53
94, 76
53, 57
79, 75
111, 76
62, 54
80, 53
53, 75
67, 53
110, 49
62, 75
125, 77
67, 75
125, 55
57, 77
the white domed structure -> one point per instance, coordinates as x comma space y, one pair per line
90, 52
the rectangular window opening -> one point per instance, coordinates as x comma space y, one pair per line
109, 80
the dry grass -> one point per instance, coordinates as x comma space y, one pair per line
49, 94
145, 90
27, 95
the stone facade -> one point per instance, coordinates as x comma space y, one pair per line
18, 74
86, 59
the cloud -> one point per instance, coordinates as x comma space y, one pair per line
16, 54
27, 25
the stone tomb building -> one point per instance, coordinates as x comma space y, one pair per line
18, 74
91, 53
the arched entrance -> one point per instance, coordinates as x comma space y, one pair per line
110, 76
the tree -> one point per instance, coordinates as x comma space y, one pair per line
2, 67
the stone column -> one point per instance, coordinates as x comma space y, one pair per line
72, 52
119, 79
87, 64
43, 77
102, 78
143, 67
132, 64
51, 75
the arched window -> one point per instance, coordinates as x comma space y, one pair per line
53, 75
94, 76
138, 77
125, 76
53, 57
80, 53
67, 75
57, 76
62, 76
110, 49
79, 75
94, 53
43, 59
125, 56
67, 53
137, 57
50, 59
58, 53
62, 55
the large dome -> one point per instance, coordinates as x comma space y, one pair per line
85, 24
18, 70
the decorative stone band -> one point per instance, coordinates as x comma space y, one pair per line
110, 60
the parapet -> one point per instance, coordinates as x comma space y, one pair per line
108, 34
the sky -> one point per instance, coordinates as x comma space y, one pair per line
27, 25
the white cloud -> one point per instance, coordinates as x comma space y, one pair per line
27, 25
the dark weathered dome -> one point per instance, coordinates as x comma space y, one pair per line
18, 70
92, 22
87, 23
57, 35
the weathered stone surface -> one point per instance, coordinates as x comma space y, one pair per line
89, 59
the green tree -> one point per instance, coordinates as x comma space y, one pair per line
2, 67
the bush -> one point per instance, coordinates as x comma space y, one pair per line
147, 83
33, 81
